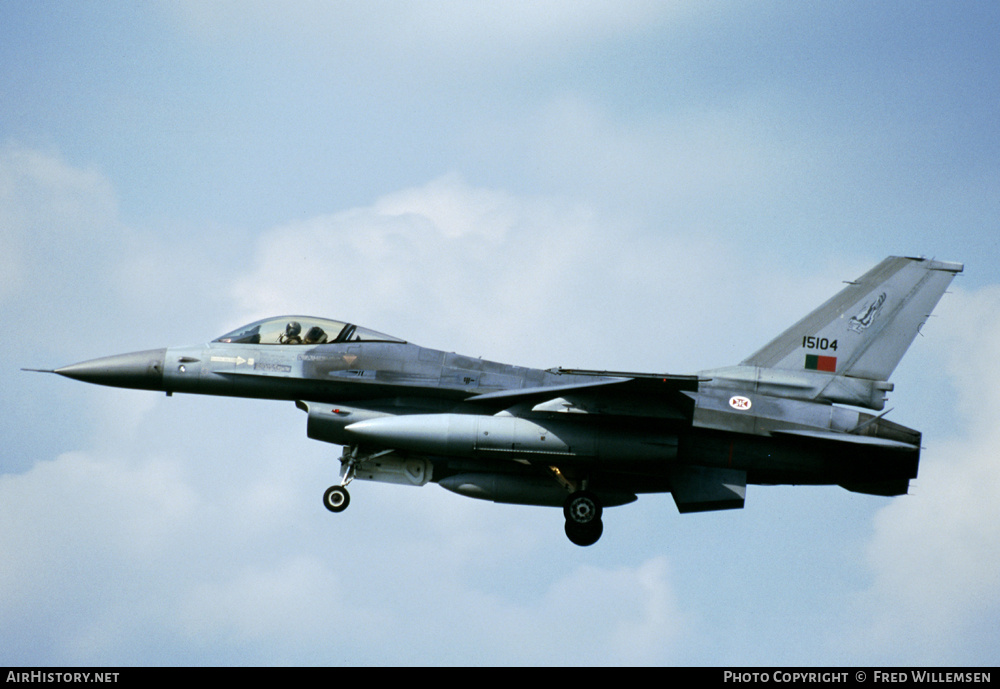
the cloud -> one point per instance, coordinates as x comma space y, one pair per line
641, 620
936, 554
85, 538
190, 530
54, 218
114, 561
524, 279
75, 274
451, 27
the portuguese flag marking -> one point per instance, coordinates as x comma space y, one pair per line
815, 362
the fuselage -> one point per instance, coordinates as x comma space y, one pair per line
423, 402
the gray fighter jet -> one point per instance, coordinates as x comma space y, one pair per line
580, 439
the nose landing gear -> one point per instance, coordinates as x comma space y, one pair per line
336, 498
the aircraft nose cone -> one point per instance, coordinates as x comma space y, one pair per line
140, 370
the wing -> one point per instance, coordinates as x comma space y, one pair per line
635, 395
612, 394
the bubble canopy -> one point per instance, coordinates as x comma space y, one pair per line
302, 330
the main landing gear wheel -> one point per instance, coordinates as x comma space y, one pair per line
583, 510
336, 498
584, 535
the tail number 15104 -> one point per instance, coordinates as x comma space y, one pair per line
822, 343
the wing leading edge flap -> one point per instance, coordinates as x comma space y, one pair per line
703, 489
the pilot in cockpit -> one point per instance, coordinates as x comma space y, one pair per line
316, 335
291, 334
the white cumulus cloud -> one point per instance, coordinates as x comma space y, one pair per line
936, 553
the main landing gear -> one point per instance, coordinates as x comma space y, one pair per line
583, 510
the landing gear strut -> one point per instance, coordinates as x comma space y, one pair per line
583, 510
336, 498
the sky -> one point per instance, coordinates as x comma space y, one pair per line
628, 185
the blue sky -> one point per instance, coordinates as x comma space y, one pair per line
630, 185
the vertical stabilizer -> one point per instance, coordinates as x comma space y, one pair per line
863, 331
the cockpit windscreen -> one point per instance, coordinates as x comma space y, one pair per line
302, 330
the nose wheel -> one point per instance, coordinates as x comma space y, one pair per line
336, 498
583, 510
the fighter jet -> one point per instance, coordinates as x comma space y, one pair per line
790, 413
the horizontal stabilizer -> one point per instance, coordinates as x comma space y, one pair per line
702, 489
885, 488
856, 440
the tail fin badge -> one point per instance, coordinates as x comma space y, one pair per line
740, 402
867, 316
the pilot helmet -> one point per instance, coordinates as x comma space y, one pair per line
316, 334
293, 329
